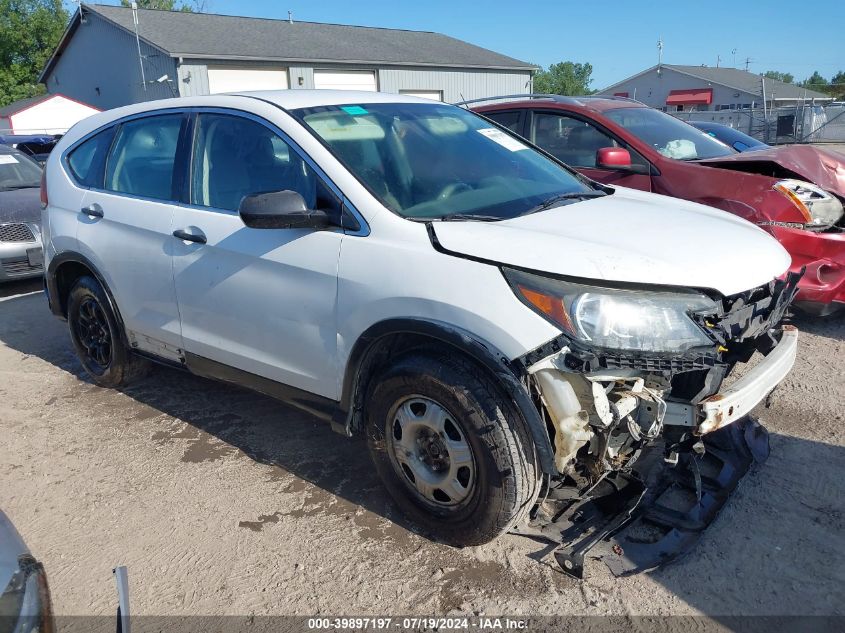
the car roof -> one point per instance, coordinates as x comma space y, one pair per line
292, 99
587, 102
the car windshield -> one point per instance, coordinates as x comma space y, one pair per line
18, 172
436, 161
669, 136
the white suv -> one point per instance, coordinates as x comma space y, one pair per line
497, 325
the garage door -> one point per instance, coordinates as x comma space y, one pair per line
238, 79
350, 80
434, 95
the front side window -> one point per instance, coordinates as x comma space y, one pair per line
142, 157
429, 161
669, 136
236, 157
573, 141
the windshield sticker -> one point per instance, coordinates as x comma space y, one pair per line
497, 136
7, 159
354, 110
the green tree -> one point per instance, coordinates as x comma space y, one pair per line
786, 78
815, 82
837, 85
161, 5
565, 78
29, 32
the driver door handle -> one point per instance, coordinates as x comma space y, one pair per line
93, 210
182, 234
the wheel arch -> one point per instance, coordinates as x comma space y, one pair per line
395, 336
63, 272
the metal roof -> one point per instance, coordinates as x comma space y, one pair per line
224, 37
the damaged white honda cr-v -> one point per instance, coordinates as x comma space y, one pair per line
525, 349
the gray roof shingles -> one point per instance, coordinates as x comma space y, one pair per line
230, 37
747, 82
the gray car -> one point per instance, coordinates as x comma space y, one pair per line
20, 216
25, 599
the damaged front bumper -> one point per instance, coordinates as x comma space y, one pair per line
644, 466
822, 289
741, 397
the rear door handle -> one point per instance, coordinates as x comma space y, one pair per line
182, 234
93, 210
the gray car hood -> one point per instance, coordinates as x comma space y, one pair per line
21, 205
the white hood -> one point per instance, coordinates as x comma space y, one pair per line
629, 236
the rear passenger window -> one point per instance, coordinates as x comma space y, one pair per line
510, 120
142, 157
87, 160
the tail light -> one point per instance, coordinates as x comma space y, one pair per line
44, 200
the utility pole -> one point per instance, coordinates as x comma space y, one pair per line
138, 42
659, 53
718, 60
733, 53
748, 61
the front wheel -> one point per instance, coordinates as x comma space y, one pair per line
450, 448
97, 337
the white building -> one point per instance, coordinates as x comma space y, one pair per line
186, 54
676, 88
46, 114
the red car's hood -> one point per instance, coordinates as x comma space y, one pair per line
825, 168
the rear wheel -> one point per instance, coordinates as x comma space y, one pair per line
450, 448
97, 337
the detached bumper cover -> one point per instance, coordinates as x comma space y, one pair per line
646, 518
736, 401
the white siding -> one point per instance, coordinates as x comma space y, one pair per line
453, 85
457, 85
193, 80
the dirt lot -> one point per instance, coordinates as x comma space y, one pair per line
221, 501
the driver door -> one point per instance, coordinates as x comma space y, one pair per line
259, 300
575, 141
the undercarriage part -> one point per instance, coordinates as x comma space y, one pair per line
647, 516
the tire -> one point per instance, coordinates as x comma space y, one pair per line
407, 435
98, 337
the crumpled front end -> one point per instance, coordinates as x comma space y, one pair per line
649, 446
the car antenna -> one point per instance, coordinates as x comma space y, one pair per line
461, 95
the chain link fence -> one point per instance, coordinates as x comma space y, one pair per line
793, 124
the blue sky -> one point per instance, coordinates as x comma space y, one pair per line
618, 38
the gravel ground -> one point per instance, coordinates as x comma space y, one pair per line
221, 501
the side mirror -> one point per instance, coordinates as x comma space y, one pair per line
617, 158
280, 210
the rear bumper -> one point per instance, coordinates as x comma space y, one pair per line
823, 255
22, 260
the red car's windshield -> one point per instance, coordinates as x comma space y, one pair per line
669, 136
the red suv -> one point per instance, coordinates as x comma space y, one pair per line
793, 192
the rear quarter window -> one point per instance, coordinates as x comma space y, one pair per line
87, 160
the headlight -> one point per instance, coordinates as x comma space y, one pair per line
616, 319
820, 209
